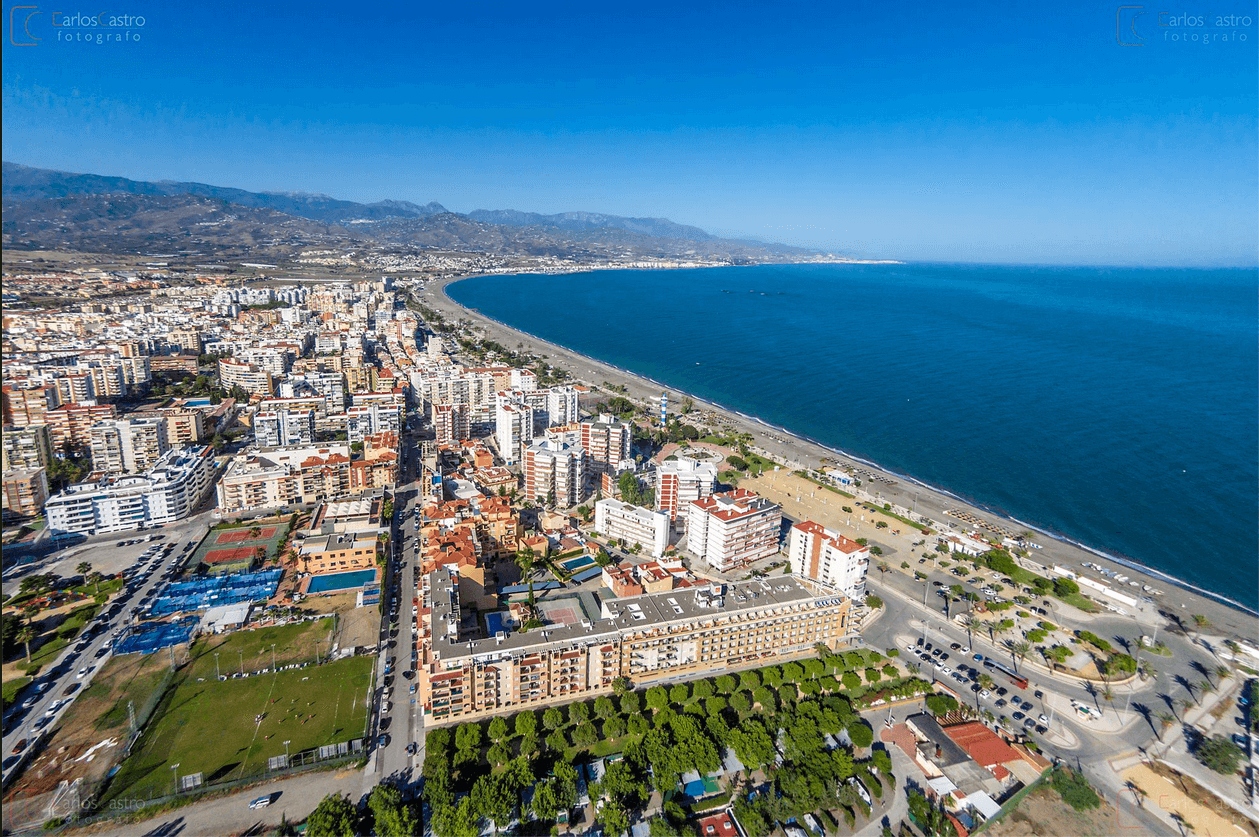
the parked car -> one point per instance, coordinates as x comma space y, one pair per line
260, 802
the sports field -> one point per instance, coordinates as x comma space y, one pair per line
210, 727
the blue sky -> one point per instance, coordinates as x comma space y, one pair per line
1010, 132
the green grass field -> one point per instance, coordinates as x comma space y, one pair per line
208, 726
296, 643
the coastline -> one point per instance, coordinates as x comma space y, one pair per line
801, 451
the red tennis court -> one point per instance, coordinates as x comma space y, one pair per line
238, 535
227, 556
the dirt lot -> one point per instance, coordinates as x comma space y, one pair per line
1043, 812
90, 735
1170, 791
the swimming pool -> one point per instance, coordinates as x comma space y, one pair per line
494, 623
340, 581
197, 402
577, 564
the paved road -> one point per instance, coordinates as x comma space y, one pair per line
175, 542
297, 797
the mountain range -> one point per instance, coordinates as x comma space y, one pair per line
39, 200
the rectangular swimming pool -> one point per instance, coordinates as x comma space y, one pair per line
340, 581
494, 623
573, 565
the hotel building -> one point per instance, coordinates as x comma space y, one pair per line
284, 427
25, 490
607, 442
450, 422
828, 557
731, 530
513, 423
694, 632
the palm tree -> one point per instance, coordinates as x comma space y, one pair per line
1206, 688
1200, 622
1020, 650
26, 636
1107, 694
84, 568
1185, 704
96, 578
986, 681
525, 560
1222, 673
968, 622
1165, 720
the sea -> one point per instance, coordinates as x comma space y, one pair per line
1114, 407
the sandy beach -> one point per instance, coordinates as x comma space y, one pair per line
879, 486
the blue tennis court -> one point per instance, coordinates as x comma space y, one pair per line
146, 639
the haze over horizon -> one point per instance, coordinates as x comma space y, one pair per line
1010, 134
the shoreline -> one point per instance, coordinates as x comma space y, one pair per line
801, 451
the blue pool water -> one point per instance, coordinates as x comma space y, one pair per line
494, 623
578, 563
1115, 407
341, 581
198, 402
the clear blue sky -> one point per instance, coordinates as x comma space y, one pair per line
1012, 132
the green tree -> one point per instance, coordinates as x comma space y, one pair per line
545, 804
1219, 754
679, 694
860, 734
334, 816
630, 703
657, 698
585, 735
1075, 789
578, 713
552, 718
498, 729
393, 816
556, 741
614, 727
726, 684
526, 723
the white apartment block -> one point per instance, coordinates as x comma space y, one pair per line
822, 555
281, 428
249, 377
681, 481
731, 530
513, 426
366, 419
128, 446
552, 466
632, 524
169, 491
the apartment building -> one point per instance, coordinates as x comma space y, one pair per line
450, 422
338, 552
676, 634
128, 446
28, 405
169, 491
633, 524
27, 447
284, 427
286, 476
681, 481
607, 441
828, 557
248, 376
554, 469
731, 530
363, 420
71, 424
513, 423
25, 490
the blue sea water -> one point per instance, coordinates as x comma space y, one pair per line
1115, 407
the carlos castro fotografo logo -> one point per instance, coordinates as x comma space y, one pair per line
32, 26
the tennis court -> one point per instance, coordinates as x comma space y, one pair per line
228, 556
152, 637
238, 535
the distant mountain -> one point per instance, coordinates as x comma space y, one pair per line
577, 221
26, 183
46, 208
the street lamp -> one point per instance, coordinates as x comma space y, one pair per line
216, 666
174, 769
286, 753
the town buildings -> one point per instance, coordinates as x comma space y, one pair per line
731, 530
25, 490
607, 441
837, 562
291, 426
513, 422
